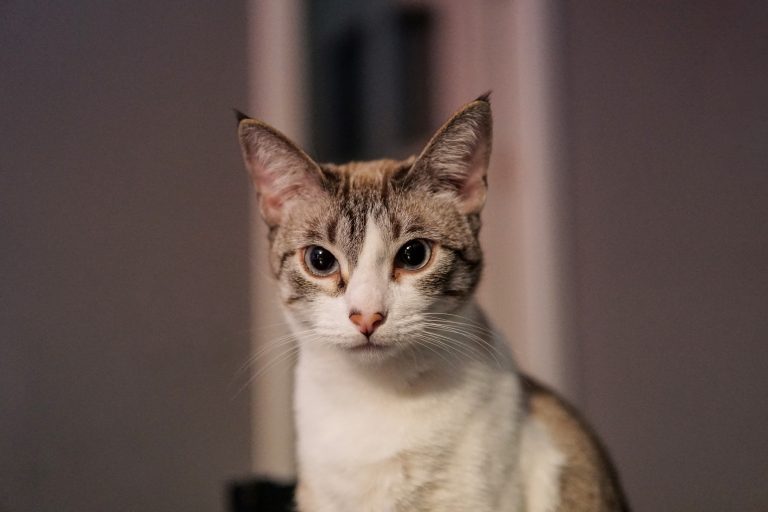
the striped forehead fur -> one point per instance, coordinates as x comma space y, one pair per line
360, 191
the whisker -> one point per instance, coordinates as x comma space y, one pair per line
457, 328
465, 328
270, 325
429, 344
270, 345
285, 355
457, 347
481, 342
462, 320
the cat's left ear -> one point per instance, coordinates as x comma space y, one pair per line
455, 161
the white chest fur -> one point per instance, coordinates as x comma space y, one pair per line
445, 439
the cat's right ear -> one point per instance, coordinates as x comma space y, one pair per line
455, 161
281, 172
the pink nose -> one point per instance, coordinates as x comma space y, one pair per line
367, 323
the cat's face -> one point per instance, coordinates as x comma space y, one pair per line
369, 254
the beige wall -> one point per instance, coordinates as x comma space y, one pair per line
124, 256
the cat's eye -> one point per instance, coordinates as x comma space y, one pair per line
320, 261
413, 255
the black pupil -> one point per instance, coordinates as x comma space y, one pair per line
321, 259
413, 253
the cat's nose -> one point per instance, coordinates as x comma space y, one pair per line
367, 322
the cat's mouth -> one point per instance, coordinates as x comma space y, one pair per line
369, 347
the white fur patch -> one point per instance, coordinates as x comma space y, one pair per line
368, 285
540, 464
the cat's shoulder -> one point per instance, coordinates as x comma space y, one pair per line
587, 480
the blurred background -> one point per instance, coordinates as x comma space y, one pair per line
625, 232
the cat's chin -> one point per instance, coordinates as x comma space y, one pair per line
372, 351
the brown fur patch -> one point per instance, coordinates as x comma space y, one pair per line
588, 481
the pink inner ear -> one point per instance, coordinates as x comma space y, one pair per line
273, 203
472, 191
283, 195
275, 198
266, 182
279, 170
472, 198
279, 182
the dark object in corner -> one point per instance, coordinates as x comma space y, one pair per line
261, 496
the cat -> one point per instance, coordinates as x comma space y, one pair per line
405, 397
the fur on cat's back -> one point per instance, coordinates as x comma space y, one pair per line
406, 398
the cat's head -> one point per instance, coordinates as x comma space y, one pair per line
369, 254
